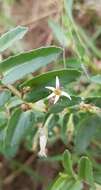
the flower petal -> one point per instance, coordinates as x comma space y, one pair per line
51, 95
50, 88
42, 142
56, 99
57, 82
66, 94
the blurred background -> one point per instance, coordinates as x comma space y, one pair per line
26, 171
33, 14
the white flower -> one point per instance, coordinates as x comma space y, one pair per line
57, 92
42, 143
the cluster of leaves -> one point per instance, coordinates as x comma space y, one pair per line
77, 121
71, 180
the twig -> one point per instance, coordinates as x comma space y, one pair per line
14, 90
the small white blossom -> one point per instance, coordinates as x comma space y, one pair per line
42, 143
57, 92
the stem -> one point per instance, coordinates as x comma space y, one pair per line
64, 58
46, 124
85, 71
14, 90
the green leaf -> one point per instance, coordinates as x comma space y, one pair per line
59, 33
86, 170
86, 130
73, 62
4, 97
64, 102
48, 79
58, 185
11, 127
97, 177
94, 100
14, 102
3, 119
68, 5
77, 186
36, 57
88, 41
65, 76
96, 79
66, 184
16, 67
2, 135
64, 127
11, 36
53, 122
67, 163
18, 126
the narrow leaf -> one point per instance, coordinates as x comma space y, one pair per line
17, 67
18, 126
68, 4
67, 163
3, 119
85, 170
4, 97
58, 184
11, 36
77, 186
58, 33
87, 128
